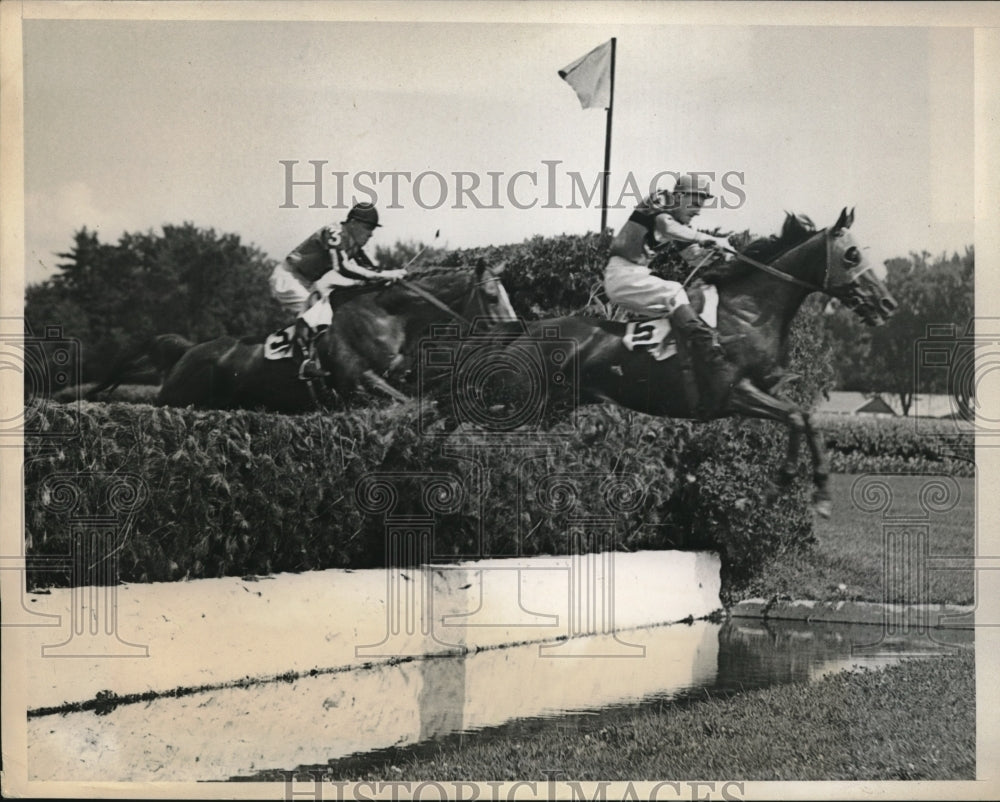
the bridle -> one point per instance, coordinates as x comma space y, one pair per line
853, 275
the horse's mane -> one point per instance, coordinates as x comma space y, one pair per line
796, 229
430, 271
445, 281
443, 277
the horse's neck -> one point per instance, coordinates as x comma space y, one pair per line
448, 290
761, 300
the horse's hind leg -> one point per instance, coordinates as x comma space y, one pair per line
821, 469
791, 465
752, 402
124, 366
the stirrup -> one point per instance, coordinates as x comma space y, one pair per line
309, 370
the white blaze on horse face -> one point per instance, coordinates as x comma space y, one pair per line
506, 311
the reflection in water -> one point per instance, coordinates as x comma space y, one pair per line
484, 690
355, 716
441, 697
755, 654
504, 691
488, 688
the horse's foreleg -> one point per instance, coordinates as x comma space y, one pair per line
379, 383
750, 401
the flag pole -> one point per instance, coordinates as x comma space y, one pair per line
607, 143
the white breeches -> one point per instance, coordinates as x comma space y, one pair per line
297, 297
289, 290
633, 287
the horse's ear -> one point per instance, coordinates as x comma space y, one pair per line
845, 219
801, 222
480, 267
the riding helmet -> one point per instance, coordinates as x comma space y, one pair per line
364, 213
692, 185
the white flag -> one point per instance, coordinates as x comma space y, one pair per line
590, 77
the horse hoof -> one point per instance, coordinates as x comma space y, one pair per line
824, 509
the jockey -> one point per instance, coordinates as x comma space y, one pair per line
661, 219
326, 260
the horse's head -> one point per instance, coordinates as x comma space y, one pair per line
488, 298
850, 277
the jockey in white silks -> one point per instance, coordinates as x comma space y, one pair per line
328, 259
661, 219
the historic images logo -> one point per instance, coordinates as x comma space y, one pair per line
544, 187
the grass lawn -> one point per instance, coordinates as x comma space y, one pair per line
912, 721
850, 547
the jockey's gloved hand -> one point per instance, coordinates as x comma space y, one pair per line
393, 275
718, 242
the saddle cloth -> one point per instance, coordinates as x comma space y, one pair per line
278, 345
654, 335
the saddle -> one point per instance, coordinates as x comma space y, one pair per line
654, 334
278, 344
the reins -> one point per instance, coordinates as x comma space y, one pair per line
434, 300
773, 271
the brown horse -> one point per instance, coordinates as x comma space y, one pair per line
155, 355
572, 361
371, 342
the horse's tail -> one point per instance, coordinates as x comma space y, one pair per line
160, 353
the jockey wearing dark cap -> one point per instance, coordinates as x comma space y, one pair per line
328, 259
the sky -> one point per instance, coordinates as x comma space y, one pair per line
130, 125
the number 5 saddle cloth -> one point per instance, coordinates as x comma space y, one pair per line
654, 335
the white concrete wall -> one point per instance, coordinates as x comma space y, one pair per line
217, 631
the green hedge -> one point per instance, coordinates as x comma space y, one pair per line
898, 445
233, 493
546, 276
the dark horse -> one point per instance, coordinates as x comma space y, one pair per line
371, 342
757, 303
154, 355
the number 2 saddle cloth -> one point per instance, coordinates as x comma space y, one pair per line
278, 345
654, 335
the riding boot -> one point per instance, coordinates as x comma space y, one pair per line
305, 346
707, 358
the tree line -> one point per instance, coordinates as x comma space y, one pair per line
933, 293
187, 280
203, 284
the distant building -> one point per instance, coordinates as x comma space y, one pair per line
850, 403
934, 406
876, 406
